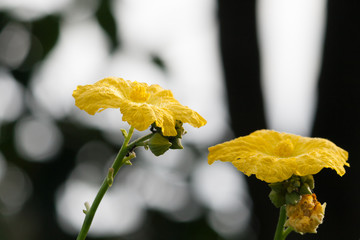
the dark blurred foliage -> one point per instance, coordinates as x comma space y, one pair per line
37, 218
107, 22
45, 32
337, 117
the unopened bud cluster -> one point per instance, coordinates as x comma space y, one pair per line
290, 191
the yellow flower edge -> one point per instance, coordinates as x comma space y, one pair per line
140, 104
274, 156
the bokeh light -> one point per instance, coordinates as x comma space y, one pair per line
14, 44
37, 139
33, 9
11, 98
15, 188
223, 190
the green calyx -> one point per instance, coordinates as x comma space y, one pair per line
290, 191
159, 143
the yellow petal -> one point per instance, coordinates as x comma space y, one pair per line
138, 115
106, 93
186, 115
275, 157
140, 104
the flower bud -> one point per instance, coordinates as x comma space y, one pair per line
176, 143
305, 189
305, 216
292, 198
277, 198
308, 179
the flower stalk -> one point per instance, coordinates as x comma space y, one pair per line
281, 232
142, 106
121, 159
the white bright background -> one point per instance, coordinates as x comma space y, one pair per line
184, 34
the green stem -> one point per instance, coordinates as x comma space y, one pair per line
125, 149
287, 231
281, 233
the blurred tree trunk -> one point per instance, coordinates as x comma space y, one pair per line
240, 58
338, 118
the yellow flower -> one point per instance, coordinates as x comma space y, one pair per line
274, 157
140, 104
305, 216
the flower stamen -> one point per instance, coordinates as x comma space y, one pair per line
284, 148
139, 94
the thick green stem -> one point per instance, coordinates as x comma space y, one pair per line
281, 233
125, 149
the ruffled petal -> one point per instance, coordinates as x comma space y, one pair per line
275, 157
140, 104
138, 115
106, 93
186, 115
166, 121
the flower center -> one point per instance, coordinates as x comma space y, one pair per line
284, 148
139, 94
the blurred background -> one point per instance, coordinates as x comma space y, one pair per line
291, 66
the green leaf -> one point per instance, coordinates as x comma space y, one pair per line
158, 144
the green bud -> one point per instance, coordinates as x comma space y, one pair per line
296, 183
87, 207
292, 198
277, 199
124, 133
179, 129
110, 177
277, 187
158, 144
309, 179
290, 189
305, 189
176, 143
129, 157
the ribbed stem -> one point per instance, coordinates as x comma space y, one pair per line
125, 149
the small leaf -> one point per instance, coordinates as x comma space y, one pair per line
277, 199
158, 144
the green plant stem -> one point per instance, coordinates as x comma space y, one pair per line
125, 149
287, 231
281, 233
